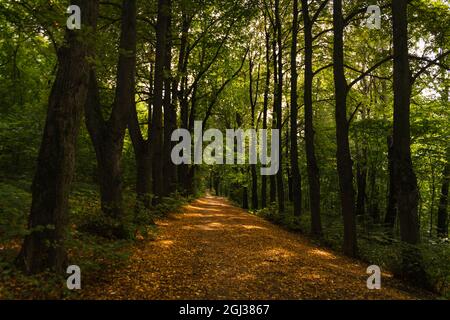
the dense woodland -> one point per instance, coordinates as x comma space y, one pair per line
87, 117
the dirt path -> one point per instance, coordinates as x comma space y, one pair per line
214, 250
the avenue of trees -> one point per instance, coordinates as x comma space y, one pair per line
363, 115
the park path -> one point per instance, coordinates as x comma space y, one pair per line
214, 250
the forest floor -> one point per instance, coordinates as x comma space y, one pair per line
214, 250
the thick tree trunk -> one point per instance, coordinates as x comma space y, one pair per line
44, 248
296, 186
407, 191
279, 98
170, 118
184, 104
142, 156
343, 156
311, 161
157, 143
108, 136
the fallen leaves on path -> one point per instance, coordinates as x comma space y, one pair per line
214, 250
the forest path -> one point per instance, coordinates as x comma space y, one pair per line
214, 250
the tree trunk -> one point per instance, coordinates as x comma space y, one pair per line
157, 143
407, 191
343, 156
108, 136
296, 187
44, 248
279, 99
170, 117
311, 161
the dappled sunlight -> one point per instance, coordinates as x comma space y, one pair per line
251, 227
322, 253
202, 209
278, 253
206, 227
233, 254
202, 215
245, 277
165, 243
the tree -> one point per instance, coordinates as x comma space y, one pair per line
296, 182
44, 247
343, 156
279, 101
157, 143
108, 135
311, 160
407, 191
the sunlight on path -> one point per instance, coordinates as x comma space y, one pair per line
214, 250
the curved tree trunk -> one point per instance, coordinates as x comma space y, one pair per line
108, 136
44, 248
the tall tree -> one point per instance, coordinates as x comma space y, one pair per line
141, 148
108, 135
343, 156
157, 143
311, 160
407, 191
170, 114
296, 182
44, 248
279, 102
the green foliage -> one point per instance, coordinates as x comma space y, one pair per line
15, 201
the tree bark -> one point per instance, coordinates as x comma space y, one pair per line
278, 104
170, 116
311, 161
407, 191
108, 136
343, 156
295, 174
44, 247
157, 143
